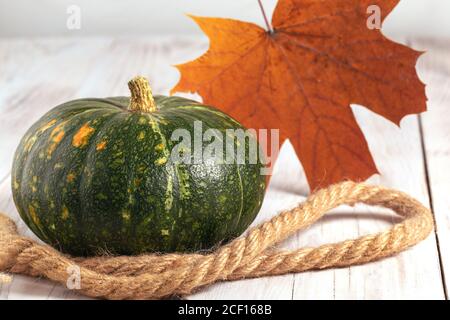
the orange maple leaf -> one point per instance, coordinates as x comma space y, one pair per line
302, 77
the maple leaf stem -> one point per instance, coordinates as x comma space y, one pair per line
269, 27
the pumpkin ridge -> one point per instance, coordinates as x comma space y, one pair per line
138, 150
231, 224
241, 187
179, 179
28, 165
170, 201
114, 119
73, 160
131, 150
157, 129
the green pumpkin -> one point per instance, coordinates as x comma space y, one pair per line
96, 175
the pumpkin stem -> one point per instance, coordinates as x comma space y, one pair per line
141, 95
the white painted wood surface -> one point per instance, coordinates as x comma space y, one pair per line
436, 133
36, 75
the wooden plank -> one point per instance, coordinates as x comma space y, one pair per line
434, 68
37, 75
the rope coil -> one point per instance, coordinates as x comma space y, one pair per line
155, 276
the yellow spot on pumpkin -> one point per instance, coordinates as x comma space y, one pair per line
58, 165
131, 199
54, 145
57, 130
70, 177
141, 168
161, 161
65, 213
55, 137
30, 142
33, 188
81, 138
137, 182
126, 215
164, 232
47, 126
159, 147
35, 179
141, 135
101, 145
222, 198
33, 215
142, 120
58, 137
16, 185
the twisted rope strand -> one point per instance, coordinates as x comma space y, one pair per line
157, 276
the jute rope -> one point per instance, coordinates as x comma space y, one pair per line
157, 276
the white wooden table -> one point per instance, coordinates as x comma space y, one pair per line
38, 74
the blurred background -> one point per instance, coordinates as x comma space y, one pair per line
31, 18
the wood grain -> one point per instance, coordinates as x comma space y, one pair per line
434, 68
39, 74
